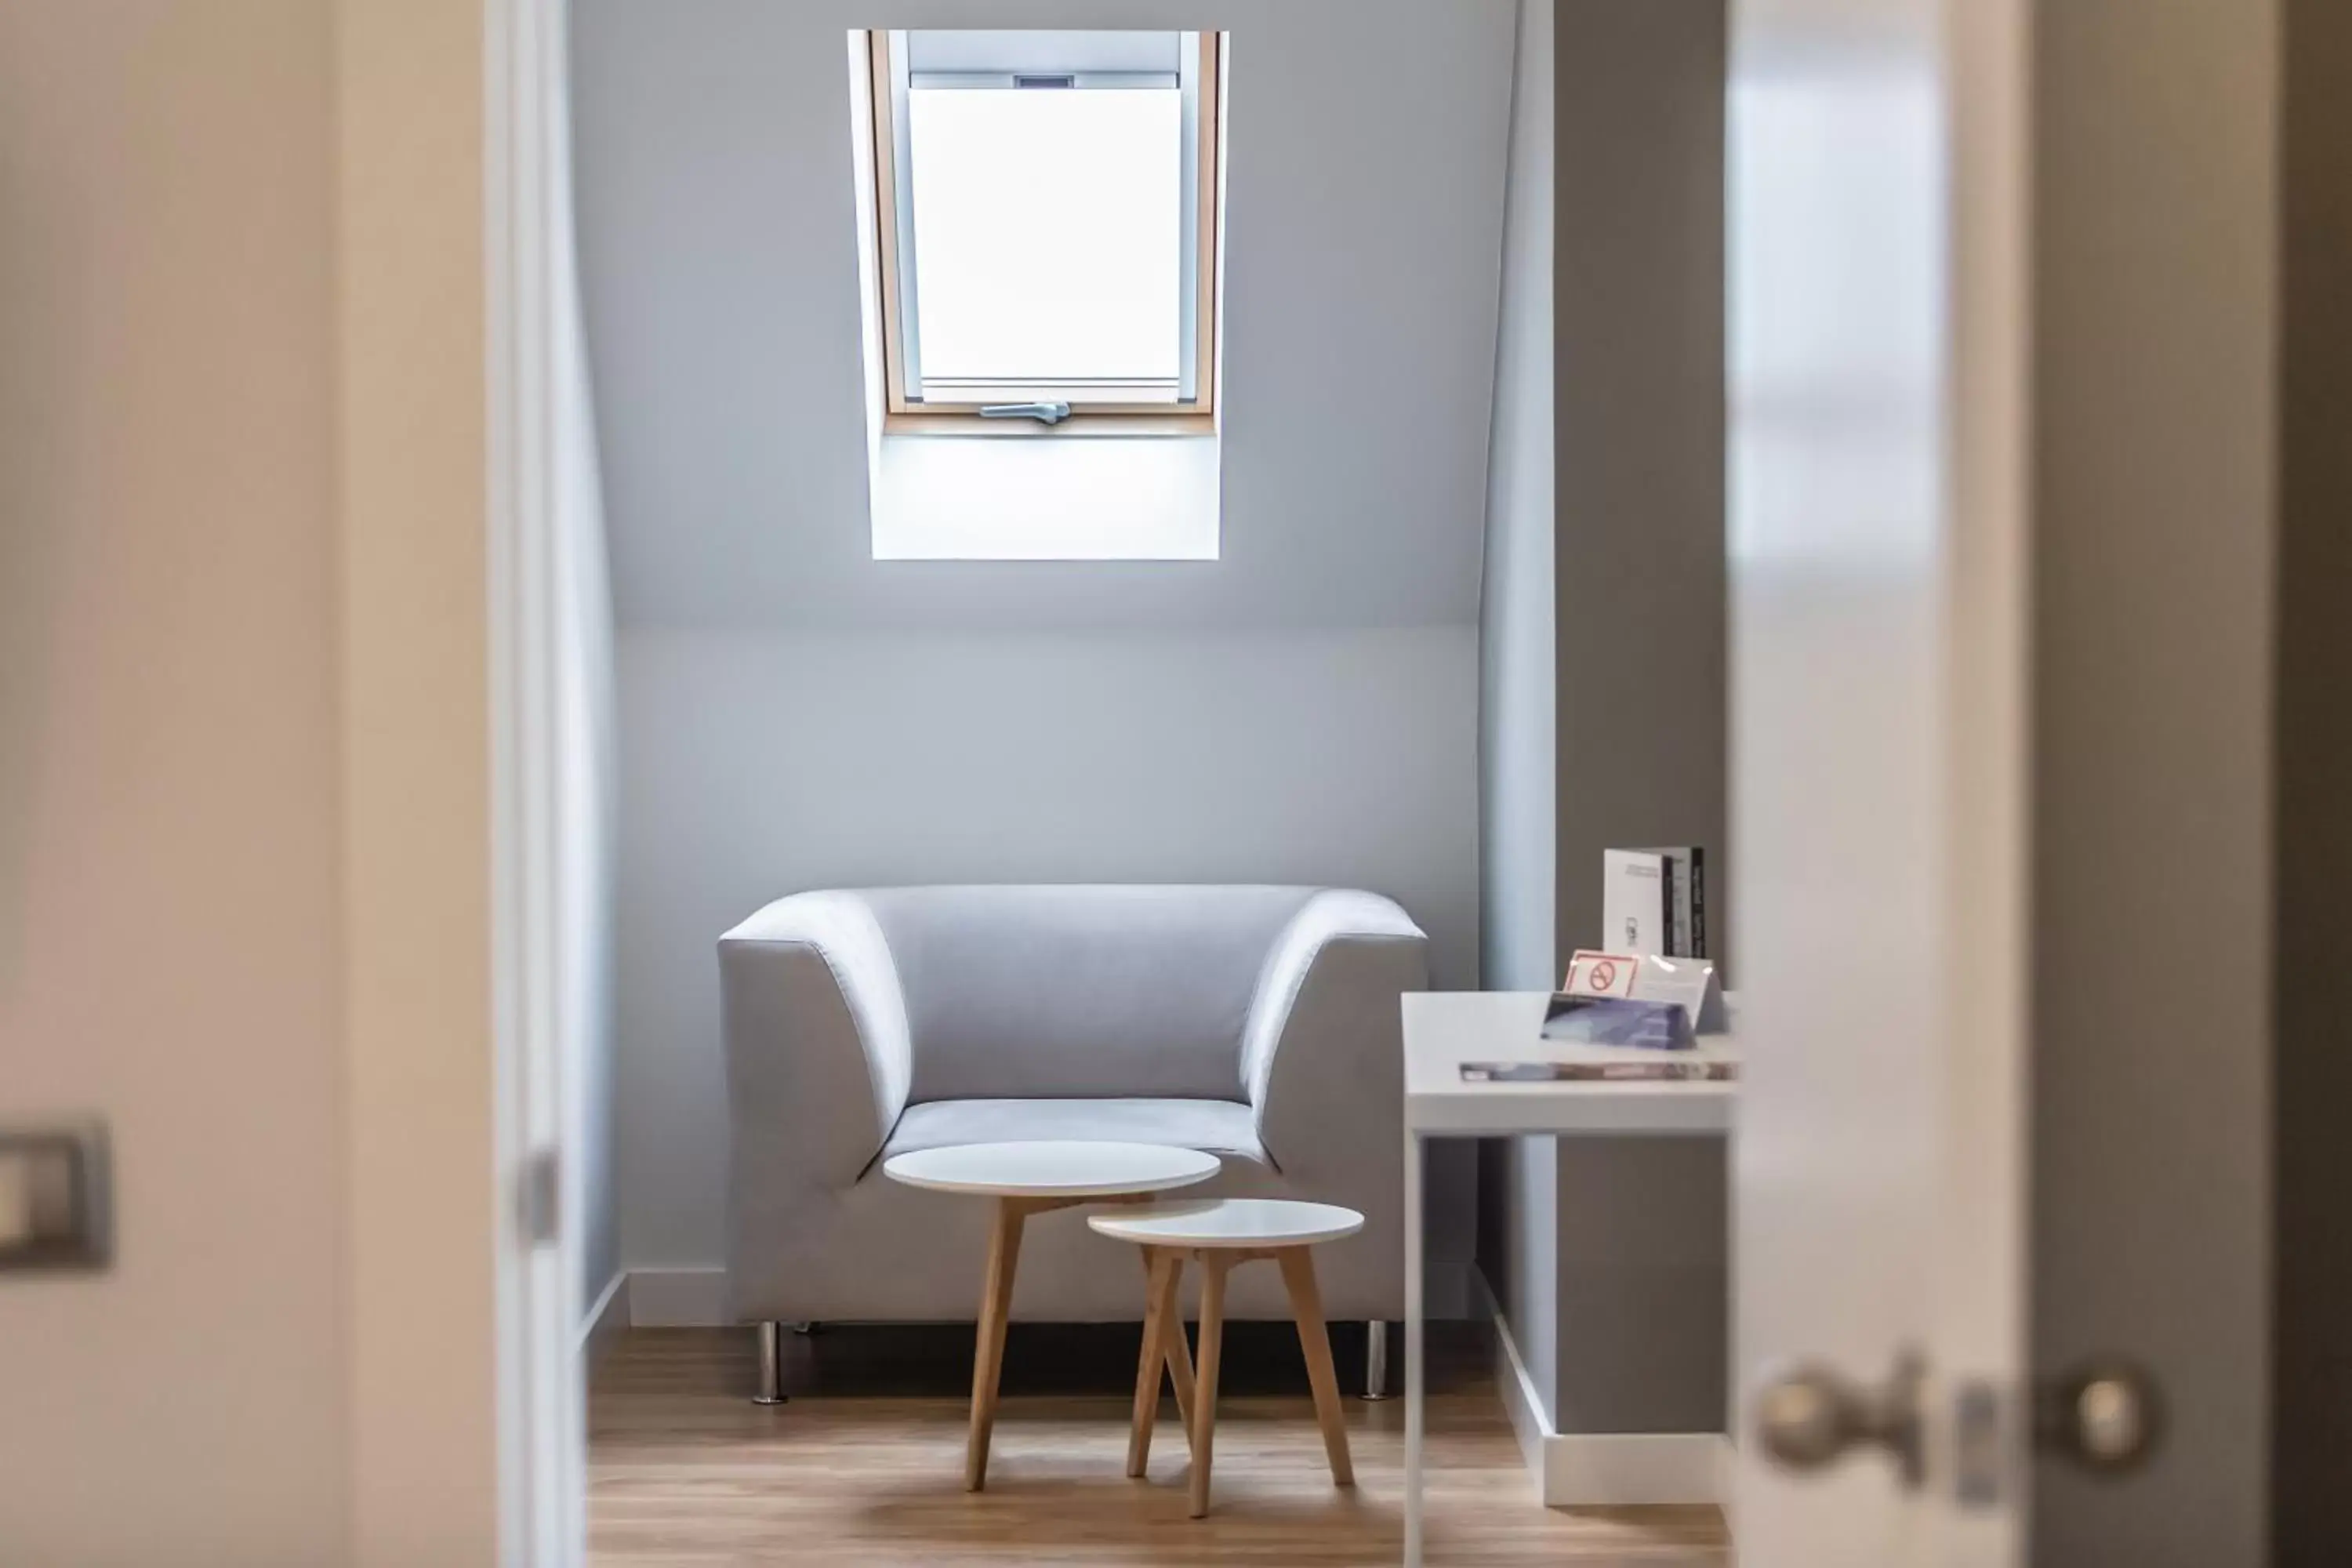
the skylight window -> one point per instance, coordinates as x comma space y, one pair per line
1047, 207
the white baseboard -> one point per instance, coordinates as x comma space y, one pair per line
1513, 1382
1622, 1470
679, 1299
1598, 1469
604, 1320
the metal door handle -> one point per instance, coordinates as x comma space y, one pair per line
1809, 1416
55, 1203
2106, 1415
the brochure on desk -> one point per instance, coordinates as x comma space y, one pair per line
1666, 1069
1596, 1010
1577, 1020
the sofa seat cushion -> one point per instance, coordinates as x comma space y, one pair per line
1212, 1126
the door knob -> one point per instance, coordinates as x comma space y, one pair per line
1809, 1416
2106, 1415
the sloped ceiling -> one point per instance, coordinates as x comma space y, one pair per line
1364, 225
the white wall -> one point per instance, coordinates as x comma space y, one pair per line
1518, 794
1518, 790
796, 714
243, 777
588, 767
170, 928
899, 757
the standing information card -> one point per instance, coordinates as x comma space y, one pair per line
1635, 897
1655, 901
1687, 982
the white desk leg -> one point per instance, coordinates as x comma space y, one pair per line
1413, 1358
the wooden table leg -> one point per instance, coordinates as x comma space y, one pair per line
1179, 1354
1213, 1268
988, 1355
1159, 1268
1307, 1307
1162, 1348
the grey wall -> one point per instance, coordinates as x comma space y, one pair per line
1640, 582
2156, 265
2192, 492
795, 713
1363, 217
171, 912
2311, 1362
1638, 368
1606, 558
886, 758
1517, 704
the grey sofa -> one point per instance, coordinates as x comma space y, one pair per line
1257, 1023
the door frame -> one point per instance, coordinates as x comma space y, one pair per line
537, 1118
459, 1333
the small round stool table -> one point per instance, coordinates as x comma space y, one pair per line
1219, 1235
1032, 1178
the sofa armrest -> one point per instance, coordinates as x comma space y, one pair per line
818, 1056
1322, 1059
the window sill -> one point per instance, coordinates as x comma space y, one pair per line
1103, 498
1117, 427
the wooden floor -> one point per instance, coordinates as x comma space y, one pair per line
683, 1469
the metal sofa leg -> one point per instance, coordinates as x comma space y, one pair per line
1376, 1361
770, 1388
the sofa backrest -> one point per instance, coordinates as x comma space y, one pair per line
1025, 993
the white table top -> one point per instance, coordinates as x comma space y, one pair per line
1231, 1222
1052, 1169
1442, 1029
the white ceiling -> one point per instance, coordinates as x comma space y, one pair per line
1364, 225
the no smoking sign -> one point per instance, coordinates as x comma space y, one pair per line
1602, 973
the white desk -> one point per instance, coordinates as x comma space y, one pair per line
1442, 1029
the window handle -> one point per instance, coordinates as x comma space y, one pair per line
1043, 413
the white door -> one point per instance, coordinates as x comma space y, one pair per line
1877, 407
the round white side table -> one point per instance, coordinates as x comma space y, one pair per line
1032, 1178
1219, 1235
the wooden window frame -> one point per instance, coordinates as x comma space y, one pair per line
1095, 408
